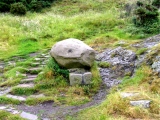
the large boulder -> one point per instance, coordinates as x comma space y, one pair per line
73, 53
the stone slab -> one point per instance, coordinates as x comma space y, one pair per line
28, 80
125, 94
16, 97
87, 77
141, 103
29, 116
75, 79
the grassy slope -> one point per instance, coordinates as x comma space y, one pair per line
92, 21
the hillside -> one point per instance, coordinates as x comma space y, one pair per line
126, 68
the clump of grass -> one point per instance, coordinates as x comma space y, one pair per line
115, 104
23, 91
141, 51
8, 116
141, 75
104, 64
155, 85
47, 83
10, 82
35, 101
6, 100
155, 51
56, 69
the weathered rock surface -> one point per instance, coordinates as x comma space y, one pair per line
73, 53
80, 76
156, 64
75, 79
122, 62
87, 78
16, 97
149, 42
29, 116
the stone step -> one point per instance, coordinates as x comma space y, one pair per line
34, 70
37, 96
1, 68
4, 91
31, 76
28, 80
16, 97
1, 74
29, 85
35, 64
40, 59
10, 109
141, 103
25, 115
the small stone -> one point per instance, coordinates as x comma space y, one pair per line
35, 64
28, 80
141, 103
47, 56
28, 116
35, 70
5, 91
37, 96
87, 77
75, 79
37, 59
2, 107
1, 68
16, 97
15, 112
45, 119
125, 95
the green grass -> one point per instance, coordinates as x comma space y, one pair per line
104, 64
97, 23
52, 83
141, 51
141, 75
6, 100
36, 31
8, 116
35, 101
23, 91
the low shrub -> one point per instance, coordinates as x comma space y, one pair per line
18, 9
57, 70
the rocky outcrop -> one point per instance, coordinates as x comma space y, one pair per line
73, 53
122, 63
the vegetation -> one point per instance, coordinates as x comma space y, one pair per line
141, 51
119, 108
19, 7
99, 23
104, 64
147, 17
23, 91
6, 100
8, 116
